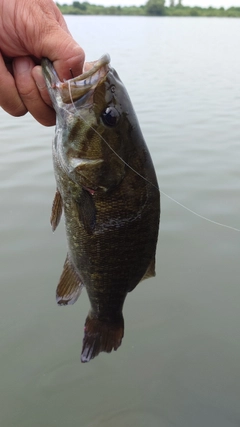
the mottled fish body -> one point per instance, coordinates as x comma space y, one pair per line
107, 188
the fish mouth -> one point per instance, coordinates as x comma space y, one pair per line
73, 89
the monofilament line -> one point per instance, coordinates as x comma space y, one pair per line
200, 216
109, 146
145, 179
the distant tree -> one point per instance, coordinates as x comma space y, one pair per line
111, 10
194, 11
155, 7
79, 5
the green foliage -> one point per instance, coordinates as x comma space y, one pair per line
194, 11
151, 8
78, 5
155, 7
133, 10
180, 10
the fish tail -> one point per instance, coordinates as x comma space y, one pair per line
101, 335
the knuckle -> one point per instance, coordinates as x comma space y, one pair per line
27, 92
13, 106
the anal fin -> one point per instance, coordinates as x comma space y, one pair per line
69, 286
56, 210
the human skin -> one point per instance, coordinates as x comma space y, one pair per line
29, 31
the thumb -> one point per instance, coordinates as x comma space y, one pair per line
64, 52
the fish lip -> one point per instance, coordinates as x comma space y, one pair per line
104, 60
75, 88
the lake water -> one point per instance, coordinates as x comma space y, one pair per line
178, 365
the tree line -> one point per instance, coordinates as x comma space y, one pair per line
151, 8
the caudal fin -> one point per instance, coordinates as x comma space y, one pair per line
100, 336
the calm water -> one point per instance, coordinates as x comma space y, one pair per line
178, 365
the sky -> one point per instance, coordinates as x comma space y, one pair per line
203, 3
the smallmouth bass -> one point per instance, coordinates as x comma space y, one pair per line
108, 191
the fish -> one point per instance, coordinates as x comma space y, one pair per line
106, 186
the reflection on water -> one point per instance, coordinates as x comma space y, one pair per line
178, 364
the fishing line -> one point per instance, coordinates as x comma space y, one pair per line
145, 179
197, 214
109, 146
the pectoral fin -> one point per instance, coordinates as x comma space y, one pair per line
86, 210
150, 270
56, 210
69, 286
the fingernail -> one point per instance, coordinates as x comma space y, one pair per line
38, 77
22, 64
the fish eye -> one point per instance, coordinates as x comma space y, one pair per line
110, 116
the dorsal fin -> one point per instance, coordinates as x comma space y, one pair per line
150, 270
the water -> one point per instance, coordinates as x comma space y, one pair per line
178, 365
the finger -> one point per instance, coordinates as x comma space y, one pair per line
41, 84
29, 93
64, 52
10, 100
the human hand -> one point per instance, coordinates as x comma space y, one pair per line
30, 30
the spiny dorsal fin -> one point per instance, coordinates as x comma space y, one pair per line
69, 286
56, 210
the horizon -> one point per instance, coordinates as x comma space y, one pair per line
199, 3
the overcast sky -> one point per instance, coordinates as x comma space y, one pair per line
202, 3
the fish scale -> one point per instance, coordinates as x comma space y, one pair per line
107, 188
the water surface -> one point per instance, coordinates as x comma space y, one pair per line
179, 361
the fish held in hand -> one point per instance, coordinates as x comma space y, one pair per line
108, 191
